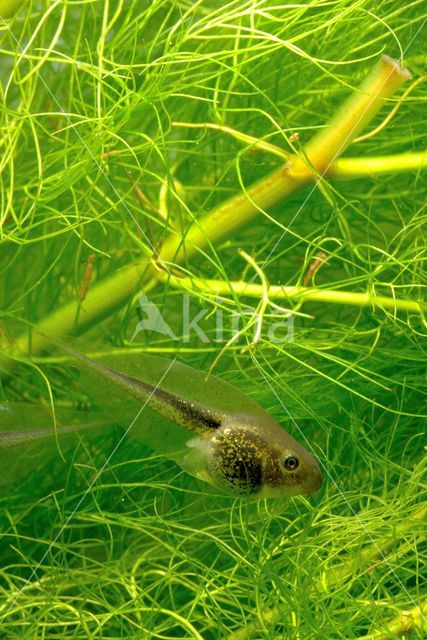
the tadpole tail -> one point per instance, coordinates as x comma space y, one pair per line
10, 439
192, 416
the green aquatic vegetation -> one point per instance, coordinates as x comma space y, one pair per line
259, 168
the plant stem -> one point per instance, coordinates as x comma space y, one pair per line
9, 7
365, 166
300, 294
320, 152
353, 116
102, 299
342, 167
112, 292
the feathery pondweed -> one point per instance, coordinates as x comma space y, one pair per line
182, 178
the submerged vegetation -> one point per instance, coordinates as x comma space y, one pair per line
250, 178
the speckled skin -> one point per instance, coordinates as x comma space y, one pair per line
245, 458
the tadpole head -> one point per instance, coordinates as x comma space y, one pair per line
289, 469
256, 459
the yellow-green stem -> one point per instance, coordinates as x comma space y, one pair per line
299, 294
346, 168
352, 117
9, 7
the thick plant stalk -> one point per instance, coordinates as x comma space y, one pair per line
352, 117
318, 155
9, 7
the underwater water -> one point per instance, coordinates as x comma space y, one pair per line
239, 190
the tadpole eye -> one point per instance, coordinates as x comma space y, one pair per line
291, 463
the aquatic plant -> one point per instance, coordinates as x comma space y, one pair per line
193, 164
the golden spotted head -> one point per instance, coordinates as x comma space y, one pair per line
248, 458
